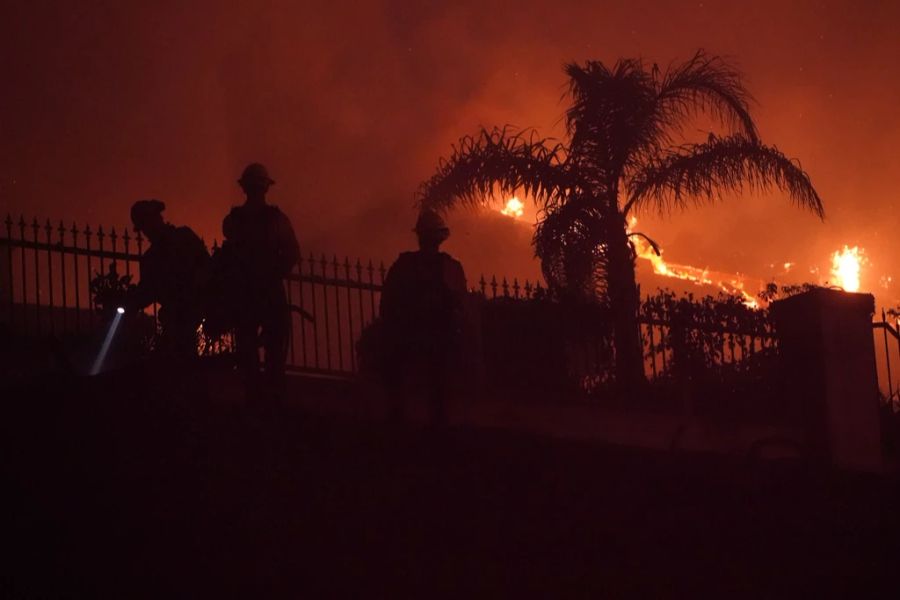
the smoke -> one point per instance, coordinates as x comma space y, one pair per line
351, 106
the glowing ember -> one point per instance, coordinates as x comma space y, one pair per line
846, 265
514, 208
732, 284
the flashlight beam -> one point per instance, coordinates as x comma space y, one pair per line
104, 349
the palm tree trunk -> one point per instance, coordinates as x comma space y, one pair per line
625, 302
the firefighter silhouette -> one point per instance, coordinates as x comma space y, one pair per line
422, 315
174, 270
261, 249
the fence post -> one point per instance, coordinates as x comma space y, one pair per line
6, 274
887, 358
827, 345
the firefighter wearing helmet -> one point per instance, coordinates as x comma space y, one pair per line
262, 250
422, 312
173, 271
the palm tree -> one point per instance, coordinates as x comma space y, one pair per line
620, 157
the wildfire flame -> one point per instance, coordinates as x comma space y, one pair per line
846, 266
732, 284
514, 208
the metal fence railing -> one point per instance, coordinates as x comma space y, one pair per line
887, 359
46, 269
710, 340
341, 299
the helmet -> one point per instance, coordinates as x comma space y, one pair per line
430, 221
145, 210
255, 172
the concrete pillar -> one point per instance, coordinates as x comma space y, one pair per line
829, 359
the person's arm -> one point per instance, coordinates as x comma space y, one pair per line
198, 255
394, 288
228, 229
386, 303
145, 292
456, 277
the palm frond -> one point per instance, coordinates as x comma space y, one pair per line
697, 172
499, 161
570, 242
605, 119
623, 116
650, 241
705, 84
599, 93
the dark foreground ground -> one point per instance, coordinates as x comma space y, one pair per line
114, 490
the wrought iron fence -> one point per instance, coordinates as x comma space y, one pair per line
684, 336
45, 271
887, 353
335, 300
681, 337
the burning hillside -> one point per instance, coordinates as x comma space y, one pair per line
846, 269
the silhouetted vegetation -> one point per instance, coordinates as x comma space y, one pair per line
773, 291
719, 351
538, 348
709, 333
718, 347
138, 333
109, 291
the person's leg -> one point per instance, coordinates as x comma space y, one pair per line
247, 352
395, 369
275, 335
436, 385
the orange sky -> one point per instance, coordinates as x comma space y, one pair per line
104, 104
